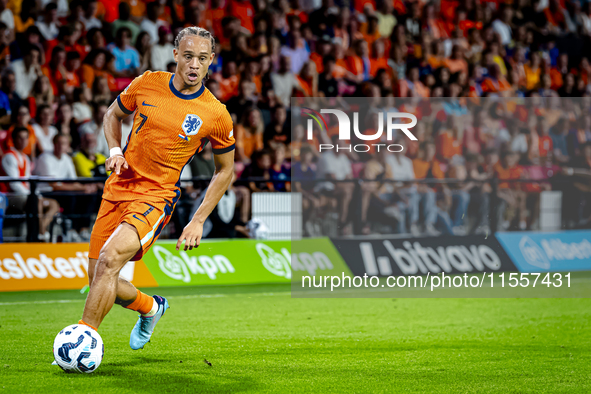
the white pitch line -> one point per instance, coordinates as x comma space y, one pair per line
170, 297
308, 292
40, 302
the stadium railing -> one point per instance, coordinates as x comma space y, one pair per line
555, 211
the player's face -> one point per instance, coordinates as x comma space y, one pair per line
193, 59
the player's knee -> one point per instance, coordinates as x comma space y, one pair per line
109, 262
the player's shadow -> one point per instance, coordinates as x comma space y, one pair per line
139, 361
199, 379
190, 376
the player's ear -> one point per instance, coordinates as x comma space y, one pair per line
175, 53
211, 58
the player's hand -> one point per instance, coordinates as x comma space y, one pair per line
191, 235
116, 163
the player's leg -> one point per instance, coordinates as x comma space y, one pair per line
123, 244
126, 292
149, 219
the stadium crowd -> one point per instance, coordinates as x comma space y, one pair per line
62, 63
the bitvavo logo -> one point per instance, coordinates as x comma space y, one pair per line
345, 130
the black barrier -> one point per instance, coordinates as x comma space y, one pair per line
395, 256
492, 208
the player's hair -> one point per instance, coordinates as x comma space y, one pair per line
194, 31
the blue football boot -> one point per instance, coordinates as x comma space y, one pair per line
144, 328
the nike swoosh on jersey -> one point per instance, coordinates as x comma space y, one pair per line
148, 105
138, 218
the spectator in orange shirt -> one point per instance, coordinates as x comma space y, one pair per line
545, 141
558, 72
532, 71
72, 80
252, 73
340, 29
340, 69
228, 81
358, 64
432, 53
138, 9
496, 82
95, 66
412, 86
511, 194
555, 14
213, 18
323, 48
308, 79
456, 63
371, 33
249, 134
174, 12
67, 39
56, 69
42, 94
109, 10
23, 119
244, 11
194, 17
378, 59
294, 9
546, 87
449, 140
433, 24
426, 164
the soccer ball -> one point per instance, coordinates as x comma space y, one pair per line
78, 348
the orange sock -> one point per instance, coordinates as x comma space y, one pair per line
142, 304
86, 324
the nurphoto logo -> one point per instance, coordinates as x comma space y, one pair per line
374, 140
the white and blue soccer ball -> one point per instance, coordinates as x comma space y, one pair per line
78, 348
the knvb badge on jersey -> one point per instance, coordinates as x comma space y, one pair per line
372, 141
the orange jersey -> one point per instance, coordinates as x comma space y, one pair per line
169, 128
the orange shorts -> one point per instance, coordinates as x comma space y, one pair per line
148, 218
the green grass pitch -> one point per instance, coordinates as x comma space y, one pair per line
260, 340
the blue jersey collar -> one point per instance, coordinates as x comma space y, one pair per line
185, 96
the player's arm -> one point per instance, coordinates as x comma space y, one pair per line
112, 126
224, 171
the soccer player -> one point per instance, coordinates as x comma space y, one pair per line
175, 117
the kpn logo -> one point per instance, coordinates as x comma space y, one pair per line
374, 141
